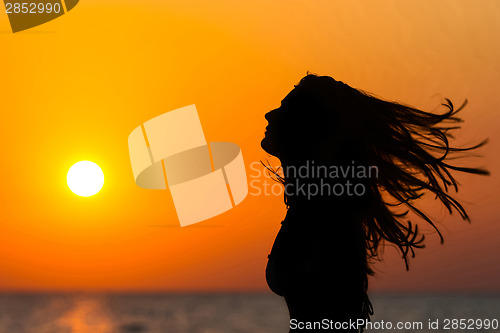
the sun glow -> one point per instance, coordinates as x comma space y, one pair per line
85, 178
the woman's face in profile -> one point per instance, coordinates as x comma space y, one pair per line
280, 128
293, 127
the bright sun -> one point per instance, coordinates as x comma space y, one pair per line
85, 178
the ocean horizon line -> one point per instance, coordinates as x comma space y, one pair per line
377, 293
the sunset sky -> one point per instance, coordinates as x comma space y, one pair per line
74, 88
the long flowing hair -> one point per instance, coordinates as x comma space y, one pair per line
411, 149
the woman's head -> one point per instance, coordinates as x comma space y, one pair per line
313, 115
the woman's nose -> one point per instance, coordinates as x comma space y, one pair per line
270, 114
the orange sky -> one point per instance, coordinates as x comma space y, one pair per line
74, 88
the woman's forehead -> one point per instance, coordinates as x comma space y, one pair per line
293, 96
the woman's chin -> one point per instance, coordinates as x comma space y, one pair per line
266, 145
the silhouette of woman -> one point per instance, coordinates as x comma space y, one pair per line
349, 163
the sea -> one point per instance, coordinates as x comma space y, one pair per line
230, 313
